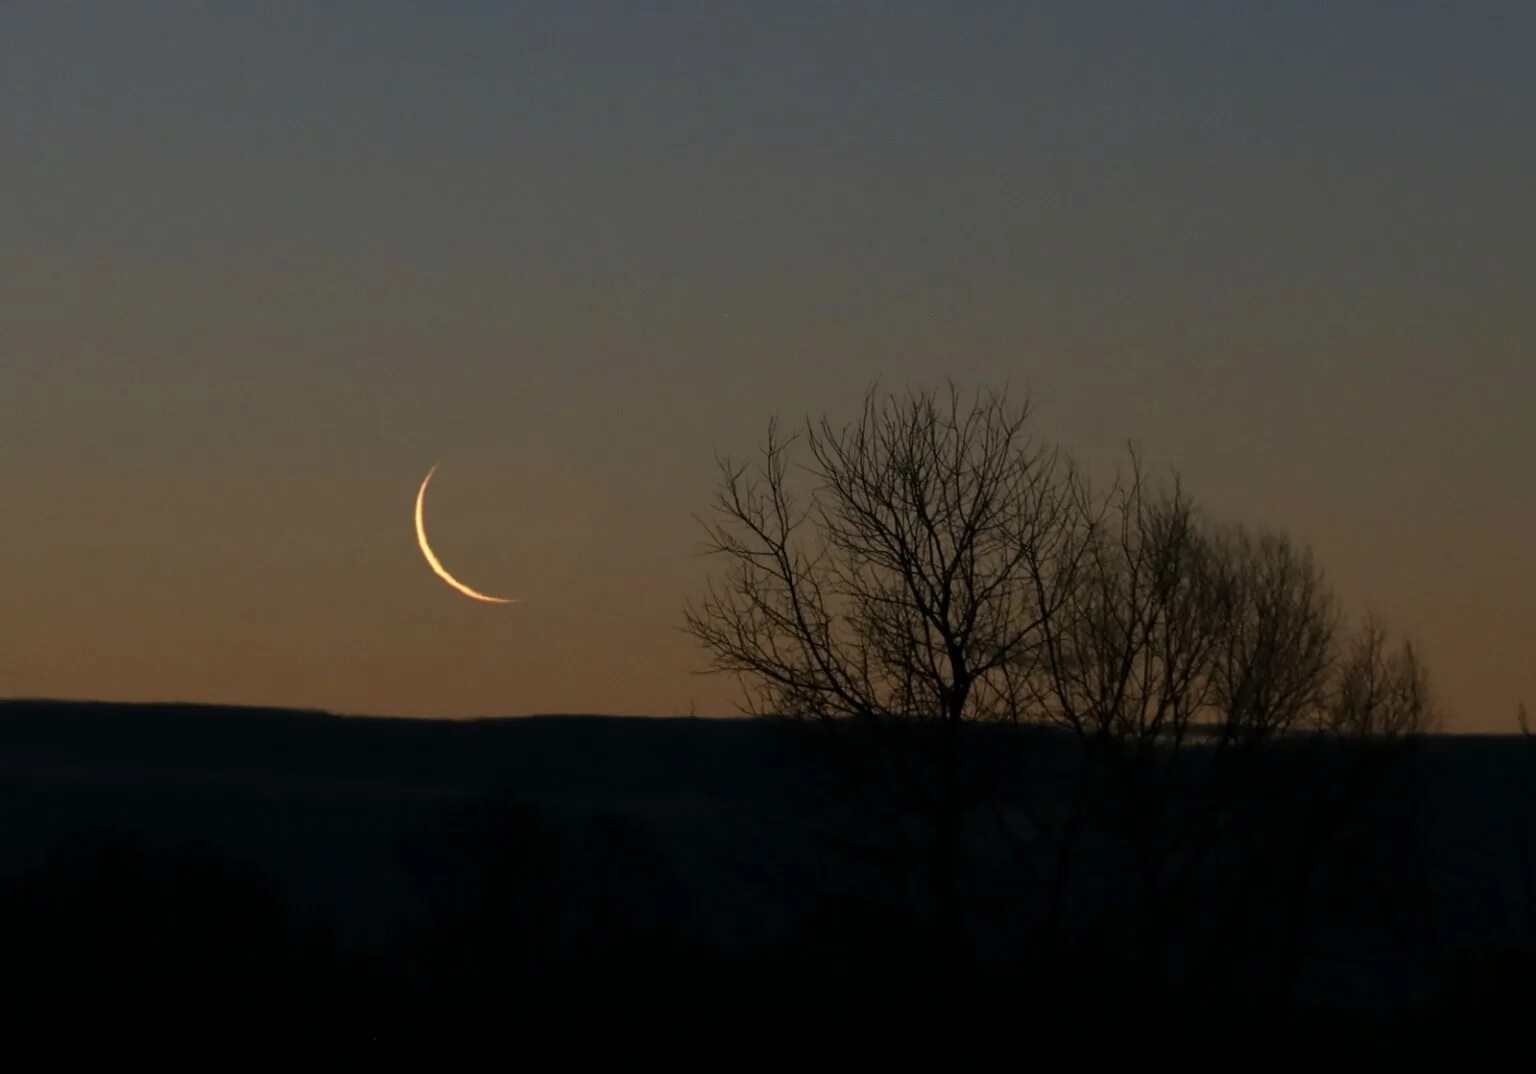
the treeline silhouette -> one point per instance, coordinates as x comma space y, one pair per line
731, 901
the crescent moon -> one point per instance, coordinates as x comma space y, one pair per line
435, 563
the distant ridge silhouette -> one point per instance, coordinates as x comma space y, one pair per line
394, 878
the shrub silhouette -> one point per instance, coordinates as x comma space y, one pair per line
114, 923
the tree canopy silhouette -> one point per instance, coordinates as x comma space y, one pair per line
903, 582
907, 583
933, 565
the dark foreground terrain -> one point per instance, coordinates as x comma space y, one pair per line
375, 894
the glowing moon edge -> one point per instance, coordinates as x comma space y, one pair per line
435, 563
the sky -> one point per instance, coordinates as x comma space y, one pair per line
263, 265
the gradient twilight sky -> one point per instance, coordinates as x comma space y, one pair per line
263, 264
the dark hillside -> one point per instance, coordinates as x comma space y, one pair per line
359, 872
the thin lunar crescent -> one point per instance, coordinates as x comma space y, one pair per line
434, 562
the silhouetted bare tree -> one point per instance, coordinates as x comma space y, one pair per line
1200, 668
1381, 691
932, 566
893, 581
